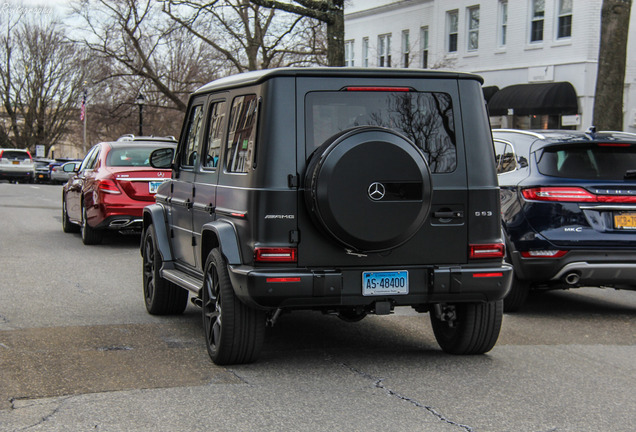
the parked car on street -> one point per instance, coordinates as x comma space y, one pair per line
111, 187
62, 171
16, 165
42, 170
342, 190
568, 206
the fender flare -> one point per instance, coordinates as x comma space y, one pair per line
154, 215
225, 233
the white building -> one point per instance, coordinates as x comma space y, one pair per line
546, 49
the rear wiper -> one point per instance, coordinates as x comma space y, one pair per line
629, 174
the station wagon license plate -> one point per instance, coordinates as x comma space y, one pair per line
626, 221
385, 282
153, 185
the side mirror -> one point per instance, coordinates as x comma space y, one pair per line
162, 158
70, 167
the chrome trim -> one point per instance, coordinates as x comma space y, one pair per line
520, 131
607, 207
163, 179
620, 271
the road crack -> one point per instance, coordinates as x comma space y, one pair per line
43, 419
379, 383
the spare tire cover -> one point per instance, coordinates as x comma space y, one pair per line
369, 188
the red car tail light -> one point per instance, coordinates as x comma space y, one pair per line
269, 254
572, 194
491, 250
108, 186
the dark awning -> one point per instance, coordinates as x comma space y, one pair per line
489, 91
557, 98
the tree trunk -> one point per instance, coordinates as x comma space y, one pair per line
610, 80
335, 38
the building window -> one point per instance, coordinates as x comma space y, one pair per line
451, 25
349, 53
473, 28
565, 19
503, 22
536, 25
384, 50
424, 39
406, 48
365, 52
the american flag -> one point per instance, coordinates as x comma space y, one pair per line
83, 109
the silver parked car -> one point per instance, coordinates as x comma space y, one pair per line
61, 173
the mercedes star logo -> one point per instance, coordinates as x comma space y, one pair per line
376, 191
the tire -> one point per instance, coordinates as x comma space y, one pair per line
368, 188
67, 225
517, 295
162, 297
234, 332
90, 236
476, 329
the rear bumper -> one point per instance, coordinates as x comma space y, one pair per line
327, 288
12, 174
580, 268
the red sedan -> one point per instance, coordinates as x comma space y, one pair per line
112, 186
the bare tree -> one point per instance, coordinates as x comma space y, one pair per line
41, 75
247, 36
134, 40
612, 58
329, 12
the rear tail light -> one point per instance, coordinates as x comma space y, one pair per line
381, 89
108, 186
543, 253
488, 275
492, 250
282, 279
281, 254
572, 194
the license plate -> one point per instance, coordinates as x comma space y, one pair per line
385, 282
153, 185
16, 162
625, 221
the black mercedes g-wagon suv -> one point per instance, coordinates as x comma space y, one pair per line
347, 191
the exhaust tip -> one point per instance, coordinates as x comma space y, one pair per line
572, 278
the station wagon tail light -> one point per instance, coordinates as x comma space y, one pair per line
572, 194
267, 254
493, 250
108, 186
543, 253
380, 89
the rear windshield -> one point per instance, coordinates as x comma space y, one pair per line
424, 118
130, 156
589, 161
15, 154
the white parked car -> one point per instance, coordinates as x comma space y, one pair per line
16, 165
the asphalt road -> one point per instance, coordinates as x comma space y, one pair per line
79, 352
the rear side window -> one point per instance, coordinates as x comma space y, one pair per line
241, 134
426, 118
588, 161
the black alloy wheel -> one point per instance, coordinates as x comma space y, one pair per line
161, 296
234, 332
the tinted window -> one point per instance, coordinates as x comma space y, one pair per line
14, 154
188, 155
596, 161
241, 134
424, 118
130, 156
215, 135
